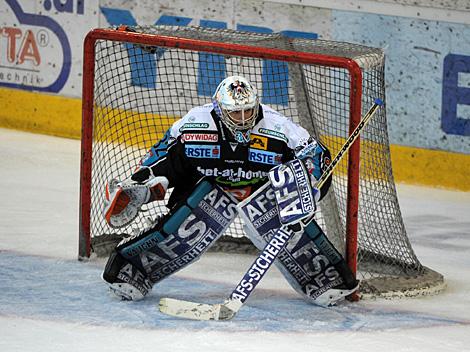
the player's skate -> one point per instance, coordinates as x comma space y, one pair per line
336, 294
124, 279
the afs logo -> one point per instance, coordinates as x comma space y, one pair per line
23, 46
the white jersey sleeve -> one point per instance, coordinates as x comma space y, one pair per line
292, 133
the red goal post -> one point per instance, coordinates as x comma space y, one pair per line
302, 64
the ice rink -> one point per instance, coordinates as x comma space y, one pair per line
51, 302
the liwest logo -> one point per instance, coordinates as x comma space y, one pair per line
202, 151
23, 46
211, 67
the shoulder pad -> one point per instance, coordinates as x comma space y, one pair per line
197, 119
275, 125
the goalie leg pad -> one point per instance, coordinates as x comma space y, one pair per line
125, 280
309, 270
182, 236
133, 246
305, 268
326, 247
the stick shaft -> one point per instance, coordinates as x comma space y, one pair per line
261, 265
364, 121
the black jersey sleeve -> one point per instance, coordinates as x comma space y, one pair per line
173, 165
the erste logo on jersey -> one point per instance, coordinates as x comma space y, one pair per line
199, 137
259, 142
264, 157
202, 151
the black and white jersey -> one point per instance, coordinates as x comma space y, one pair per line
200, 145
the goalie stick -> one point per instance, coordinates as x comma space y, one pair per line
229, 308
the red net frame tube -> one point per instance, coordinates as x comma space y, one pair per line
224, 49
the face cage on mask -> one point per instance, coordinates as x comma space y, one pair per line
240, 130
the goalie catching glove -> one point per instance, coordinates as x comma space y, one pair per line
124, 199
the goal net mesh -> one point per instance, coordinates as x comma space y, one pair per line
140, 90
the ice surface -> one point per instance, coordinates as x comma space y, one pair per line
51, 302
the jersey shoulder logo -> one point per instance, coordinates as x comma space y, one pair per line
194, 126
202, 151
259, 142
274, 134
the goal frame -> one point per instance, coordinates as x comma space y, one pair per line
231, 49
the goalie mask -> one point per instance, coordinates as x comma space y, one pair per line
237, 105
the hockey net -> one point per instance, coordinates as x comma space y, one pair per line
139, 80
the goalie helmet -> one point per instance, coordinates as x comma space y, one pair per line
237, 105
